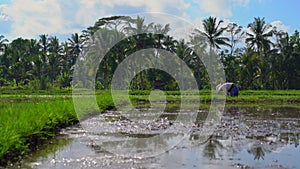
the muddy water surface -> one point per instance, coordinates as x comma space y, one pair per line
245, 138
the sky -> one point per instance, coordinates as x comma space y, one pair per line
61, 18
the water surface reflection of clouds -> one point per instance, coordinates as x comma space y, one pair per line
246, 137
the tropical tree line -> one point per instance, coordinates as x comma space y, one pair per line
261, 58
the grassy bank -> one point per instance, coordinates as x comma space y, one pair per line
28, 91
29, 118
245, 98
24, 125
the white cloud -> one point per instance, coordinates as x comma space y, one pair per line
181, 27
3, 17
34, 17
151, 6
89, 12
240, 2
54, 17
280, 26
220, 8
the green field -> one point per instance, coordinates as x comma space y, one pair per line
28, 119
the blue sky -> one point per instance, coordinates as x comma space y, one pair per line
30, 18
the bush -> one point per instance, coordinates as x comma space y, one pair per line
4, 82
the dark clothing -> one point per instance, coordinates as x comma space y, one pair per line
234, 90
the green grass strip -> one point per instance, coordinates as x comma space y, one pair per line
25, 124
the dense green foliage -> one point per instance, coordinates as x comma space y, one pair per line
262, 58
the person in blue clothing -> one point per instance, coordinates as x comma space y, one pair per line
229, 88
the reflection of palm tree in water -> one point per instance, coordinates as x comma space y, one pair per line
296, 140
258, 152
212, 148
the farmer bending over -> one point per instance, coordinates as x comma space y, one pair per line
228, 88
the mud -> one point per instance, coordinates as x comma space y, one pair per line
244, 138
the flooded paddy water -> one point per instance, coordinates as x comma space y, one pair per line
245, 138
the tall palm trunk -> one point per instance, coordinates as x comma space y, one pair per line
210, 69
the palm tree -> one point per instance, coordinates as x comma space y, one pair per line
44, 49
3, 42
258, 37
4, 60
75, 44
66, 65
39, 66
287, 54
139, 30
258, 40
212, 33
250, 70
33, 55
184, 53
138, 26
55, 59
21, 61
236, 34
160, 32
44, 44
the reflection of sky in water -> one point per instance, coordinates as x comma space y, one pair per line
190, 158
226, 149
287, 156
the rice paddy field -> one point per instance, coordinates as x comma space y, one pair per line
29, 118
